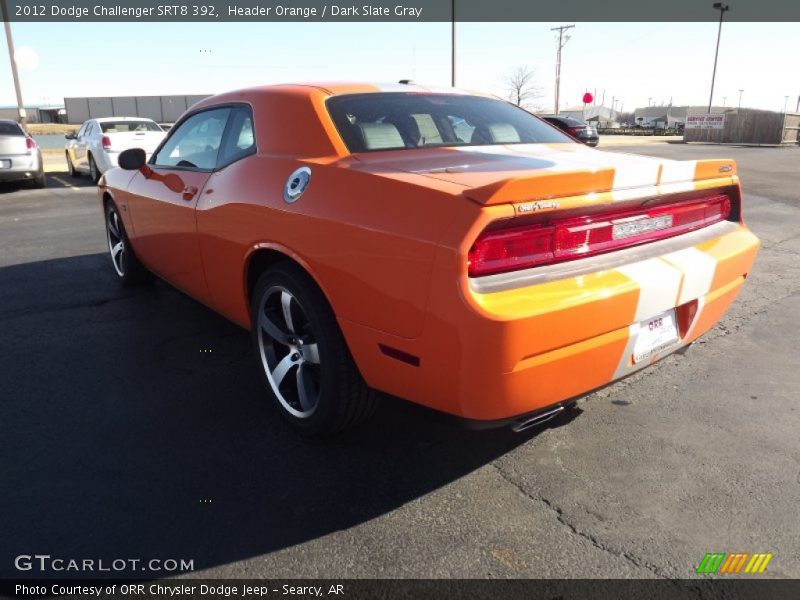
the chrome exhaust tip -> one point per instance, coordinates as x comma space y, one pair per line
537, 419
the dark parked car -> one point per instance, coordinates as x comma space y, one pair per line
20, 157
577, 129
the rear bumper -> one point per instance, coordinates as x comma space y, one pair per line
22, 167
507, 349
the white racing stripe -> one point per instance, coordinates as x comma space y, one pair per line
659, 279
698, 272
623, 367
678, 175
658, 283
633, 172
677, 171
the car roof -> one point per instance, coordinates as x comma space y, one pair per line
110, 119
336, 88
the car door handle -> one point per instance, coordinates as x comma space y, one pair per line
189, 192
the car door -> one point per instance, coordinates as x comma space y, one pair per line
72, 145
163, 196
82, 146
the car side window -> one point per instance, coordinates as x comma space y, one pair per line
89, 130
195, 143
81, 131
240, 137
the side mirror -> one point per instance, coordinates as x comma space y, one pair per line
71, 136
132, 159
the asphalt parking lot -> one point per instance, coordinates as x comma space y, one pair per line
134, 426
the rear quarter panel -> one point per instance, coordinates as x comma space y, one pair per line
368, 241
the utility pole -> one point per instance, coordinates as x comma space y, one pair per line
562, 41
721, 8
23, 118
740, 98
453, 44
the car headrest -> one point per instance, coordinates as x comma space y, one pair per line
495, 133
378, 136
503, 133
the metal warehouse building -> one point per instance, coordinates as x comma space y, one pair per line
163, 109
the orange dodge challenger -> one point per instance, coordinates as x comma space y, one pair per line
444, 247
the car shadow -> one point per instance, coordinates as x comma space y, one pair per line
53, 180
135, 425
62, 179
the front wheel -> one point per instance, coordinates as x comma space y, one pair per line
303, 358
73, 172
128, 268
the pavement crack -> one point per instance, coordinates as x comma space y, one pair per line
573, 529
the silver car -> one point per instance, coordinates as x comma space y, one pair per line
20, 156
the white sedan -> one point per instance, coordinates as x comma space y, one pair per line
95, 148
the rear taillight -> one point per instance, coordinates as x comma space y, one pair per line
30, 144
558, 240
575, 131
106, 142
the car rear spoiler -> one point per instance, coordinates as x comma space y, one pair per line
544, 185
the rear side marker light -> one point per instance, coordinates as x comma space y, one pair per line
559, 240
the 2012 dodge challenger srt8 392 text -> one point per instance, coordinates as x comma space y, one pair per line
443, 247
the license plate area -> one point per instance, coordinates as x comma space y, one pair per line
655, 335
5, 163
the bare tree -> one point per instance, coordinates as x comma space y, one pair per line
521, 88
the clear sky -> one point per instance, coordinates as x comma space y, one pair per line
632, 62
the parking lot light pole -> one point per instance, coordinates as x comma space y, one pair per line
15, 76
740, 98
721, 8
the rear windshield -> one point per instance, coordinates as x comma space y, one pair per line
391, 121
126, 126
10, 129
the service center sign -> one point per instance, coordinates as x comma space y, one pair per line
710, 121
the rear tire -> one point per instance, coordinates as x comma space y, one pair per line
127, 267
39, 181
303, 358
94, 172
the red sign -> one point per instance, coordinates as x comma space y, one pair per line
587, 98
